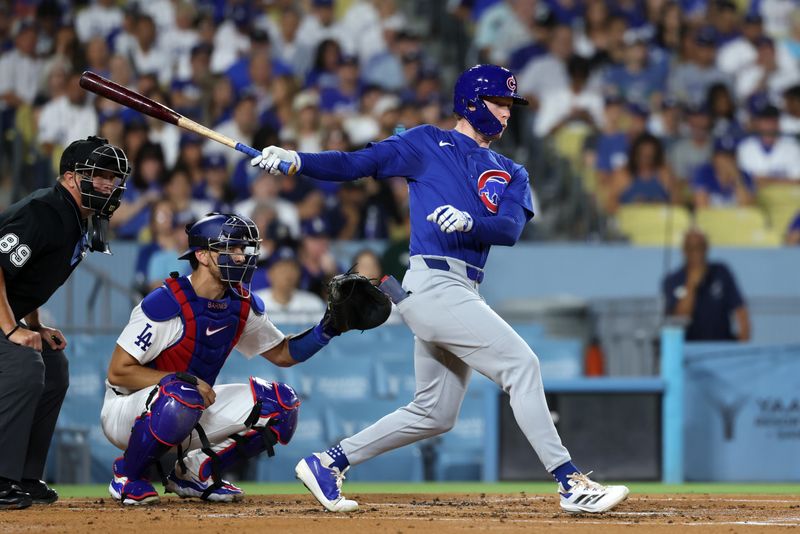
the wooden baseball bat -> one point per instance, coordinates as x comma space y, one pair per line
122, 95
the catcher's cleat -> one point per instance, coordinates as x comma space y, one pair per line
39, 491
585, 495
324, 483
187, 486
130, 492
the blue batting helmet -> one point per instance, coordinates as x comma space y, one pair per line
477, 83
234, 237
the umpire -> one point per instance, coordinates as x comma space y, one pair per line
43, 237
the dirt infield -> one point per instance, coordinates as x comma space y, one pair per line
413, 514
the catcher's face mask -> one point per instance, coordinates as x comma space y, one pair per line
236, 242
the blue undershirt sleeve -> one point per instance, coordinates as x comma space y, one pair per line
505, 228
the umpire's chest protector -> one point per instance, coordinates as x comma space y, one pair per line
211, 328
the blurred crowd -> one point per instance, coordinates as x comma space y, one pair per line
693, 102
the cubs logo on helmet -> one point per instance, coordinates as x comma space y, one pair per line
491, 185
511, 83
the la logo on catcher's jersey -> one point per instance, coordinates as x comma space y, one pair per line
491, 185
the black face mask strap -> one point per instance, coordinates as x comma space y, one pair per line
99, 240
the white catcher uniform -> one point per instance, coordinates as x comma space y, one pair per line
233, 403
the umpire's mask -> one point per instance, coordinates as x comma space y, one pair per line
102, 178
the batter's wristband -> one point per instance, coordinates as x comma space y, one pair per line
16, 327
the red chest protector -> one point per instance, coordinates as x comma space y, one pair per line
211, 328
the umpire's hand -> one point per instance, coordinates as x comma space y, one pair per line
53, 337
27, 338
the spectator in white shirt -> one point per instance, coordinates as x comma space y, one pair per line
289, 47
241, 127
98, 20
767, 155
548, 72
179, 41
741, 51
579, 103
504, 28
146, 55
232, 39
283, 301
790, 118
20, 70
319, 24
766, 74
67, 118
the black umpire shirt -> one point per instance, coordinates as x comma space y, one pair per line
42, 239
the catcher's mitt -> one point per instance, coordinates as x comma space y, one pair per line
355, 304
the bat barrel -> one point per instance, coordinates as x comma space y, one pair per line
122, 95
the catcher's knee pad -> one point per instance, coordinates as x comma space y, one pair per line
169, 419
176, 410
276, 406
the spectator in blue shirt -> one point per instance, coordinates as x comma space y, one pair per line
721, 182
636, 79
706, 295
793, 233
646, 178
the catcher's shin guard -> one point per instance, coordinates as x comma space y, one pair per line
168, 421
273, 420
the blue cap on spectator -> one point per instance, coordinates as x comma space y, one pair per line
706, 36
316, 227
348, 59
202, 48
696, 108
323, 3
639, 109
281, 253
105, 116
753, 18
215, 161
763, 40
726, 144
190, 139
670, 102
760, 106
240, 14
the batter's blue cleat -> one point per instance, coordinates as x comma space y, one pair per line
130, 492
586, 495
324, 483
188, 485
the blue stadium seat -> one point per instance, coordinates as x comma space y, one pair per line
312, 435
460, 452
394, 378
403, 464
328, 379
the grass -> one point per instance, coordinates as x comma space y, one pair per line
640, 488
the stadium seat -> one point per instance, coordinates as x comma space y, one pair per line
328, 379
460, 452
744, 227
781, 203
653, 224
350, 417
312, 435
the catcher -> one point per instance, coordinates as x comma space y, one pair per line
160, 388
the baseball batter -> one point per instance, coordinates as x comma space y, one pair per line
464, 198
161, 376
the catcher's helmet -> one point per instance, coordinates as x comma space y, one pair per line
89, 157
479, 82
237, 241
